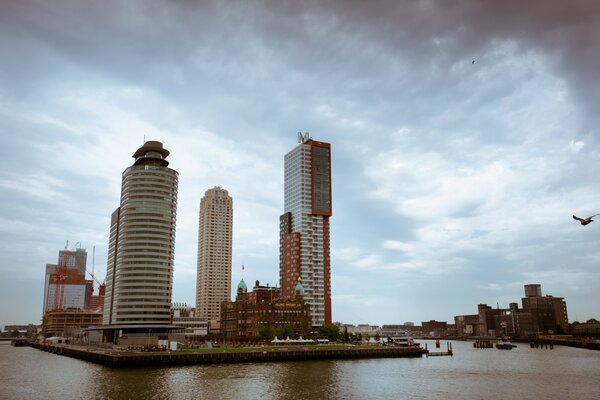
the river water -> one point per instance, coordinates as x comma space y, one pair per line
521, 373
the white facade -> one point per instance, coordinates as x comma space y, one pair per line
298, 200
213, 284
139, 279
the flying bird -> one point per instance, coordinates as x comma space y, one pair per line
473, 62
585, 221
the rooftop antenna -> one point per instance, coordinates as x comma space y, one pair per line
144, 139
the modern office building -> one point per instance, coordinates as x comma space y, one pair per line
304, 227
213, 284
139, 277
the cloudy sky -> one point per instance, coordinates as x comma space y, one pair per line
464, 136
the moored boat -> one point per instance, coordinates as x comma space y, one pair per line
504, 344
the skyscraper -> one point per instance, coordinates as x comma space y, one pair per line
73, 291
139, 276
304, 227
214, 253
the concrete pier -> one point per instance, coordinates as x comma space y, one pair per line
117, 358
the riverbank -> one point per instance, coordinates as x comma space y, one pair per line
121, 358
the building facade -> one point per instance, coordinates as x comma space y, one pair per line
139, 276
193, 328
304, 226
549, 313
69, 323
251, 315
214, 253
539, 315
74, 291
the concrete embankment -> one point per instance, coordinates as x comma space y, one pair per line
114, 358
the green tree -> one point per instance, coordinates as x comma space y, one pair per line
283, 332
331, 332
346, 336
266, 332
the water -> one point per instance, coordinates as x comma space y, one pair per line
521, 373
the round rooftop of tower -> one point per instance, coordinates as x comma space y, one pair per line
151, 152
298, 289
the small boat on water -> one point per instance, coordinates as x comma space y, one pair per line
504, 344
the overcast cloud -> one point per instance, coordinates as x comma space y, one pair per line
464, 136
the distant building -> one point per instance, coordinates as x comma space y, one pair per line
466, 325
434, 327
361, 329
194, 328
304, 227
590, 329
97, 301
396, 329
24, 329
74, 289
68, 291
246, 318
549, 313
69, 323
214, 254
139, 278
486, 314
539, 315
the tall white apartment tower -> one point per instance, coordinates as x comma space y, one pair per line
214, 253
304, 227
139, 276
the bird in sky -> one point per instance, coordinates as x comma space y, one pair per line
473, 62
585, 221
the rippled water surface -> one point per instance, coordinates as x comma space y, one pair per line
521, 373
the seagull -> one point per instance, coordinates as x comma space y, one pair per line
585, 221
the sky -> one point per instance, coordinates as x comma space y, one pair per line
464, 135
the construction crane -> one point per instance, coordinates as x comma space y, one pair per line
93, 264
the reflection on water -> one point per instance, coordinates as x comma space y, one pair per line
471, 374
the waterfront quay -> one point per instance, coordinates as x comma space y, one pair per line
124, 358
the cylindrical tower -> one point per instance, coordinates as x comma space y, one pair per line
140, 263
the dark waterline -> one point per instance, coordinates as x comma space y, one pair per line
521, 373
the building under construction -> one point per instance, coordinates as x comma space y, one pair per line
69, 323
70, 305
